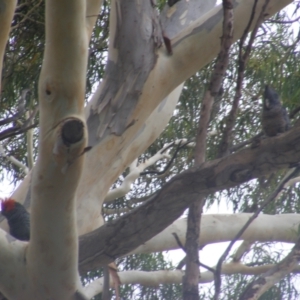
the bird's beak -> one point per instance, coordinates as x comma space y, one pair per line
267, 103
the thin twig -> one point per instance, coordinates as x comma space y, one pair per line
284, 22
245, 143
16, 130
243, 58
29, 145
183, 262
179, 147
20, 111
178, 241
13, 160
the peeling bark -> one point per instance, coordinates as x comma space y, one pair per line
135, 37
171, 17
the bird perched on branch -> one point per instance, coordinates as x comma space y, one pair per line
18, 219
274, 116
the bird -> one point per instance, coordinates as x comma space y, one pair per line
274, 118
18, 219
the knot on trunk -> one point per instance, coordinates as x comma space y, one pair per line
72, 132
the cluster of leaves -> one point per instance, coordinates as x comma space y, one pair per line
21, 68
235, 284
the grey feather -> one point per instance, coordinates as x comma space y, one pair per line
18, 221
275, 119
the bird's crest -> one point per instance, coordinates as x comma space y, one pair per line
271, 98
7, 204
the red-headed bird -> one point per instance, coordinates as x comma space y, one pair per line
18, 219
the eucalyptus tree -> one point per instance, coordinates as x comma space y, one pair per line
83, 149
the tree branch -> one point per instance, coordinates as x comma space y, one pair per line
15, 130
6, 15
29, 144
134, 172
242, 249
13, 160
218, 228
151, 278
116, 238
190, 280
53, 242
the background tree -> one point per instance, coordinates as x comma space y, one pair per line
126, 113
